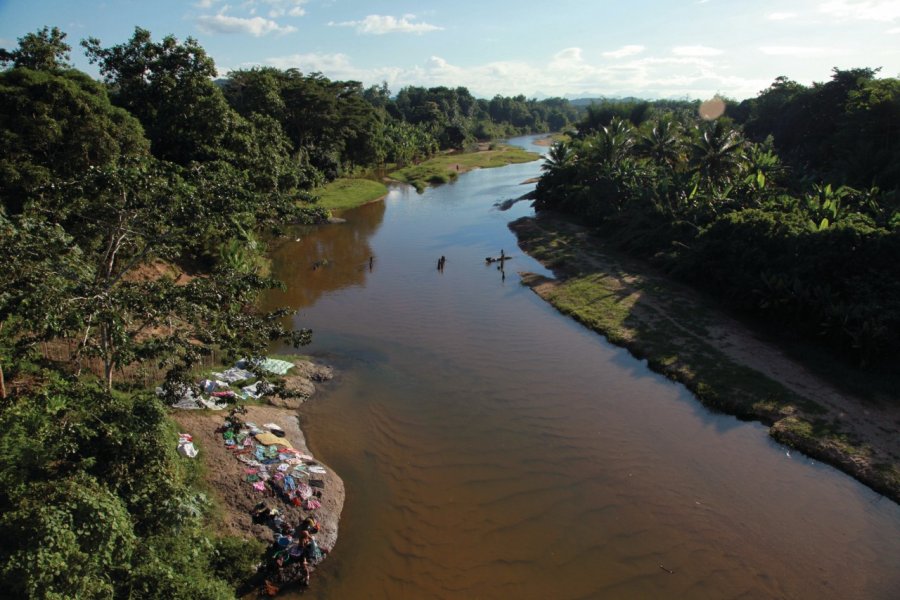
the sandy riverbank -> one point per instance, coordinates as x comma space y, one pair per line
237, 498
225, 474
728, 367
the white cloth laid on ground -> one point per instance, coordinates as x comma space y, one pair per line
233, 374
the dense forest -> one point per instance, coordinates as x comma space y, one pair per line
130, 218
787, 207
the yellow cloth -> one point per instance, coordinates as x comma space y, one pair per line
270, 439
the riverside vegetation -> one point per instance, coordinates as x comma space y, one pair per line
131, 212
786, 209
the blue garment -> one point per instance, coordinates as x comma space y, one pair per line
312, 552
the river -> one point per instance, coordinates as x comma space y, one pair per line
492, 448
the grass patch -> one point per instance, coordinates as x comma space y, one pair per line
343, 194
443, 168
427, 173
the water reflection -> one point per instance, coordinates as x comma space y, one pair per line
317, 260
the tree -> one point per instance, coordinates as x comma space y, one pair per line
717, 154
256, 91
55, 126
44, 50
168, 86
663, 143
612, 143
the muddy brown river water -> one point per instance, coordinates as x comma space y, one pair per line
492, 448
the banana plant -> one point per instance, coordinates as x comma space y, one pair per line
825, 206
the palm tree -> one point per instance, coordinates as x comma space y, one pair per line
558, 173
558, 158
663, 143
718, 155
612, 143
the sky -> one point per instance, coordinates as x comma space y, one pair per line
575, 49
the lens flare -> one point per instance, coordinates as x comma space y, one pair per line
712, 108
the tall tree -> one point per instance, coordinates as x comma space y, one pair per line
169, 87
44, 50
54, 126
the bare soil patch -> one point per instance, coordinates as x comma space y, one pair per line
237, 498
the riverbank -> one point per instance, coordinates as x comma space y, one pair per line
226, 473
683, 336
446, 167
550, 139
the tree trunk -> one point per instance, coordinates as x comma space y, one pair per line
108, 363
2, 380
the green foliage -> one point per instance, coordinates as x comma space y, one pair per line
846, 130
235, 559
44, 50
96, 503
348, 193
55, 126
818, 258
67, 538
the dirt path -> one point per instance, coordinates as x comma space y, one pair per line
855, 435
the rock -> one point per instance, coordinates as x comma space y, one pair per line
301, 389
313, 371
283, 402
300, 383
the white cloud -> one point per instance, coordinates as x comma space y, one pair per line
565, 73
382, 24
781, 16
864, 10
277, 8
337, 66
255, 26
894, 30
567, 56
624, 51
695, 51
281, 9
205, 3
801, 51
